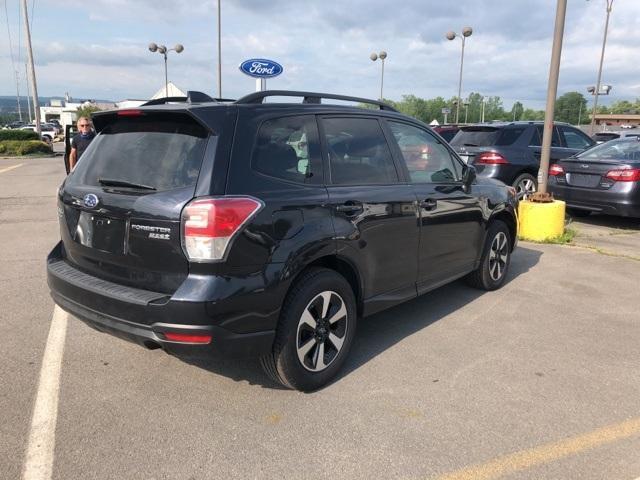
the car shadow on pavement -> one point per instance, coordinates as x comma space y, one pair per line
381, 331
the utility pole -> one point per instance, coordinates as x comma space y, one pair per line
32, 70
597, 90
552, 90
18, 95
26, 77
219, 53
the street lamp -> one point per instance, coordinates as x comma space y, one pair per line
597, 88
466, 32
164, 50
604, 90
466, 110
382, 55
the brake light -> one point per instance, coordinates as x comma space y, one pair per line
555, 169
209, 225
187, 337
130, 113
624, 175
490, 158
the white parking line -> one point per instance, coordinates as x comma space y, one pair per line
40, 448
11, 168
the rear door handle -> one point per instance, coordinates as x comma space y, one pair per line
429, 204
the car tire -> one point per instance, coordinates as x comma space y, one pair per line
315, 332
578, 213
496, 257
525, 184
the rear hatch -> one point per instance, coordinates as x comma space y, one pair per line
120, 208
470, 141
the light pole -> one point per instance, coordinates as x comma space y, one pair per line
466, 111
484, 101
382, 55
604, 90
604, 42
466, 32
164, 50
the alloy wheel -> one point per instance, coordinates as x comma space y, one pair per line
498, 256
322, 330
525, 187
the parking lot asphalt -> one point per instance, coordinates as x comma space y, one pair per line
536, 380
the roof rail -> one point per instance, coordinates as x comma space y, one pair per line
309, 97
192, 97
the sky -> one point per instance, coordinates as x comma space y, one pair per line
97, 49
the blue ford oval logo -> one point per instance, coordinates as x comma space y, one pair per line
261, 68
90, 200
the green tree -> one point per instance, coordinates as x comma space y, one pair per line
530, 114
86, 111
516, 111
570, 108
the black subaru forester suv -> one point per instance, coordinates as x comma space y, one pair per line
268, 229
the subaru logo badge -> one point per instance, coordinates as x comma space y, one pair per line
584, 165
90, 200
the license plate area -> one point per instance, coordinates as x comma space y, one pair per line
100, 232
583, 180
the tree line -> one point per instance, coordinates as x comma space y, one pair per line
571, 107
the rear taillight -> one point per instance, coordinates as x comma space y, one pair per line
490, 158
555, 170
209, 225
624, 175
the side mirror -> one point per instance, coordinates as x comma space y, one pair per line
468, 177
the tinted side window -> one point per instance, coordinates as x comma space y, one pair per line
508, 136
358, 152
575, 139
536, 141
427, 159
287, 148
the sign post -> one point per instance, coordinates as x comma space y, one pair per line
261, 69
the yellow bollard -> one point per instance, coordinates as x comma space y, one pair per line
541, 221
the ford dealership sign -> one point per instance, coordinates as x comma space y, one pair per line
261, 68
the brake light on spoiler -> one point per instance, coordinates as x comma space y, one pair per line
209, 225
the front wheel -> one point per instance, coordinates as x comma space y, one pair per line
315, 332
496, 256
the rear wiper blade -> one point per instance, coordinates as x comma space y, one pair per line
470, 145
110, 182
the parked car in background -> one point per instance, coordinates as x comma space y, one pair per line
258, 229
601, 137
510, 151
446, 131
604, 179
47, 131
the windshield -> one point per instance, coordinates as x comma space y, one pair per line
160, 152
623, 149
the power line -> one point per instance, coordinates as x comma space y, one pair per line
6, 12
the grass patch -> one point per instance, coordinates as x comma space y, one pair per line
565, 239
11, 148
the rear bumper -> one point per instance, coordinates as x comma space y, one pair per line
145, 317
609, 202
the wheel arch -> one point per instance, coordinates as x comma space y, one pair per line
340, 265
510, 220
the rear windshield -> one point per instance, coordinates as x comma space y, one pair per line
620, 149
486, 136
475, 137
162, 151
